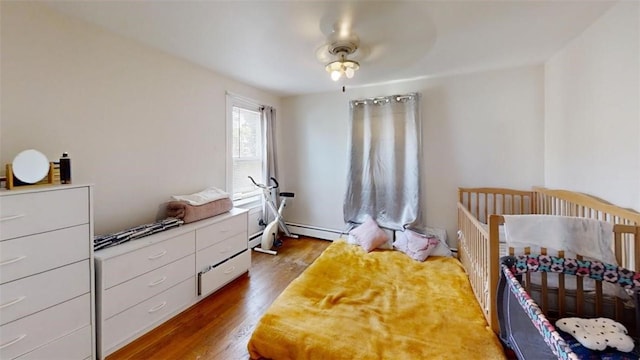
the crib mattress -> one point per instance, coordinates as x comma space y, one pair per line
350, 304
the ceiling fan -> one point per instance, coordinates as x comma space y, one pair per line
358, 34
341, 52
341, 47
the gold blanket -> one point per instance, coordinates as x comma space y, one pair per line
382, 305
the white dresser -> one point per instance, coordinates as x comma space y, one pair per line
46, 273
143, 283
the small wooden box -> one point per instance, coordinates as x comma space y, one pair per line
53, 177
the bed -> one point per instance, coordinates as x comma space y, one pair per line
480, 244
350, 304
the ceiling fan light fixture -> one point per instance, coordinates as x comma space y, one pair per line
342, 67
350, 71
336, 75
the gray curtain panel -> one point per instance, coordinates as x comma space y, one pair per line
269, 167
384, 150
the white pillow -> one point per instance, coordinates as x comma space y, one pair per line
368, 235
598, 333
417, 246
441, 249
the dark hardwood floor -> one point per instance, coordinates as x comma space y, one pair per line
219, 326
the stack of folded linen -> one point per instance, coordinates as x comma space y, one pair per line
201, 205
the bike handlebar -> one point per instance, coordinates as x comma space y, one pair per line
277, 185
275, 181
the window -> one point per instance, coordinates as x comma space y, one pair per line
245, 149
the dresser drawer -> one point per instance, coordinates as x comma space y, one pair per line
28, 295
221, 251
132, 292
75, 346
24, 335
215, 233
32, 213
126, 326
37, 253
217, 277
121, 268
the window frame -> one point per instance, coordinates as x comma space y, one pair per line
247, 104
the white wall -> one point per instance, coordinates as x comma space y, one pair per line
138, 124
592, 115
481, 129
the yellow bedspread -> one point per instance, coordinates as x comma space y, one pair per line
382, 305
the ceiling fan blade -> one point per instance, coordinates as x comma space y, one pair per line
373, 24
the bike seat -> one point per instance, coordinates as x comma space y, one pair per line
287, 194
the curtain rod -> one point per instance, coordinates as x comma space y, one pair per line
248, 100
385, 99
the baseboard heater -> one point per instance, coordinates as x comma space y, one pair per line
314, 231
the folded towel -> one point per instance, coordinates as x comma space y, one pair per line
190, 213
205, 196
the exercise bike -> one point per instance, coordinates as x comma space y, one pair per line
270, 234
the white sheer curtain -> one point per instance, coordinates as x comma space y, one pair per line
269, 166
384, 150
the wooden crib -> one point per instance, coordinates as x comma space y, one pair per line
479, 228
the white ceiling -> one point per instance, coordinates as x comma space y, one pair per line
276, 45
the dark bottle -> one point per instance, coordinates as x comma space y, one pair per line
65, 169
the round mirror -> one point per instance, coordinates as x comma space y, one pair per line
30, 166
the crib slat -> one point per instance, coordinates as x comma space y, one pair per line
561, 295
617, 239
486, 204
635, 263
561, 292
510, 210
599, 298
545, 293
527, 251
521, 207
619, 308
478, 207
579, 293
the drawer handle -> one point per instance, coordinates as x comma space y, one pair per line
13, 341
13, 302
229, 270
158, 255
11, 261
12, 217
156, 308
159, 281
